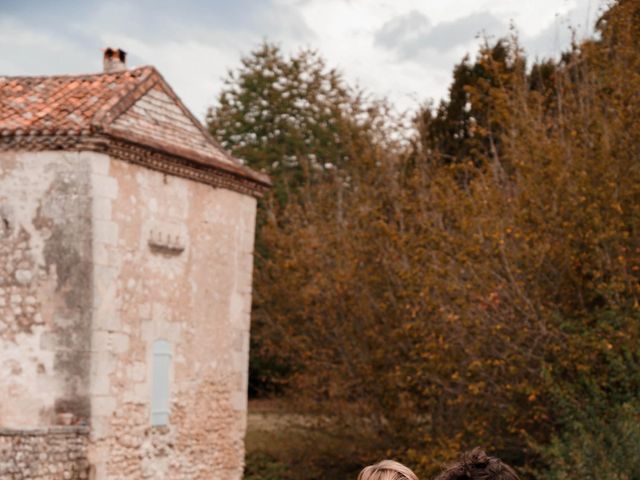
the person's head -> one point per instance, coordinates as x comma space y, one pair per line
477, 465
387, 470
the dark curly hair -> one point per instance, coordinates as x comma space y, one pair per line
477, 465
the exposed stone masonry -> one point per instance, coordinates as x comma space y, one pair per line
55, 453
45, 258
19, 306
204, 315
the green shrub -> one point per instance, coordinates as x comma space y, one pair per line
605, 448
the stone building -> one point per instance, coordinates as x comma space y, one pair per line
126, 252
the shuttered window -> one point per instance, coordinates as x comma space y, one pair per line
160, 387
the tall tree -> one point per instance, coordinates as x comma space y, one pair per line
299, 121
467, 126
290, 116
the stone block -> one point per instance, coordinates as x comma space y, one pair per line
239, 401
48, 341
100, 341
100, 383
102, 366
119, 342
238, 362
104, 186
24, 277
105, 278
105, 231
101, 254
137, 371
236, 340
140, 393
100, 429
101, 208
99, 163
103, 405
107, 317
246, 343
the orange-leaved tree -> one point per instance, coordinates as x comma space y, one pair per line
434, 314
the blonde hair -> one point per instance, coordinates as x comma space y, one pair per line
387, 470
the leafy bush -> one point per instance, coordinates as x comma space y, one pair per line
605, 448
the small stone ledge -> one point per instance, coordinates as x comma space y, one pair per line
53, 430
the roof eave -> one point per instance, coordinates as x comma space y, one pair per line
199, 161
155, 157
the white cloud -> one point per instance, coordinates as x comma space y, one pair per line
413, 33
430, 37
404, 49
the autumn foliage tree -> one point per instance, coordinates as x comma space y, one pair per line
296, 119
481, 285
466, 127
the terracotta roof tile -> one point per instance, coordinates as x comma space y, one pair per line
135, 105
62, 102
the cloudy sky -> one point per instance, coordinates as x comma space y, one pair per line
402, 49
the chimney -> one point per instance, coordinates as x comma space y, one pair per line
114, 60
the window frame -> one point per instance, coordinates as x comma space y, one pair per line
161, 358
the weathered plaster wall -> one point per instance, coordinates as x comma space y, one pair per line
45, 285
98, 259
54, 453
192, 287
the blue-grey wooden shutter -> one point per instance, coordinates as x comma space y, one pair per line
160, 383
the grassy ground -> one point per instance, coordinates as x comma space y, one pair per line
283, 445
